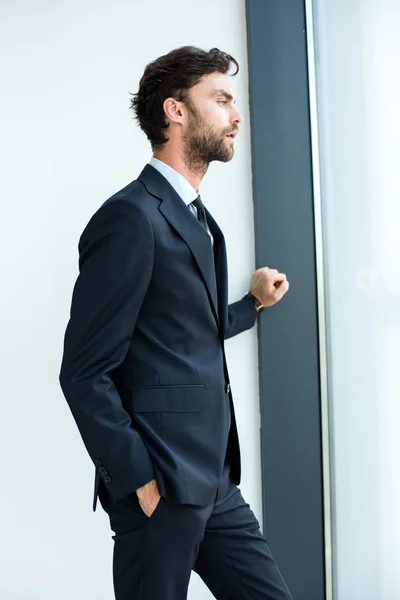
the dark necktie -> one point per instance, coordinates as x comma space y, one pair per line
201, 213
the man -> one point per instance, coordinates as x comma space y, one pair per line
144, 368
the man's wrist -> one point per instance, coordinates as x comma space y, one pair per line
257, 304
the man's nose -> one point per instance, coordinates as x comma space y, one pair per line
237, 117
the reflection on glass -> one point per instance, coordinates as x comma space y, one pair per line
357, 46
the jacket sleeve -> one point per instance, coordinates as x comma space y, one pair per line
116, 255
241, 316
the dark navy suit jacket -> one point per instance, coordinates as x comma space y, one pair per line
144, 369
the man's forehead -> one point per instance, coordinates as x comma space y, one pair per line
217, 84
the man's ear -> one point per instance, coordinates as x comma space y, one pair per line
173, 111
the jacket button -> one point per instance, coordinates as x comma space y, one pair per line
228, 388
107, 479
102, 470
98, 463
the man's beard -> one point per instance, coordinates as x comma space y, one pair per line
204, 144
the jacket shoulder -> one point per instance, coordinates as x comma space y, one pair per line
132, 203
134, 194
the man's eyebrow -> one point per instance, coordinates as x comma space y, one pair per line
224, 93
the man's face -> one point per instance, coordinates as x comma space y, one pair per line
212, 122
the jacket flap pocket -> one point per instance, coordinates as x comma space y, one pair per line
171, 398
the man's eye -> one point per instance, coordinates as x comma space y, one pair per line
224, 102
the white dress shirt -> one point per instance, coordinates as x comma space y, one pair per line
181, 185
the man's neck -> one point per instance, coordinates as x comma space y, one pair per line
177, 163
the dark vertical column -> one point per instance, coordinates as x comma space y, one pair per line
288, 332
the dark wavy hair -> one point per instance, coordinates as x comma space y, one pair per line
172, 76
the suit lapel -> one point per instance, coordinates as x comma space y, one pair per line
184, 222
221, 269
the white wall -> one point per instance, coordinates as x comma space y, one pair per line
358, 49
68, 142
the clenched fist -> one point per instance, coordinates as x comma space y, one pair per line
268, 286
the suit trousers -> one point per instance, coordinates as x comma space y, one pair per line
222, 542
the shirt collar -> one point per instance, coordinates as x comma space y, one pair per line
178, 182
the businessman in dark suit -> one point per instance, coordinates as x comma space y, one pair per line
144, 368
